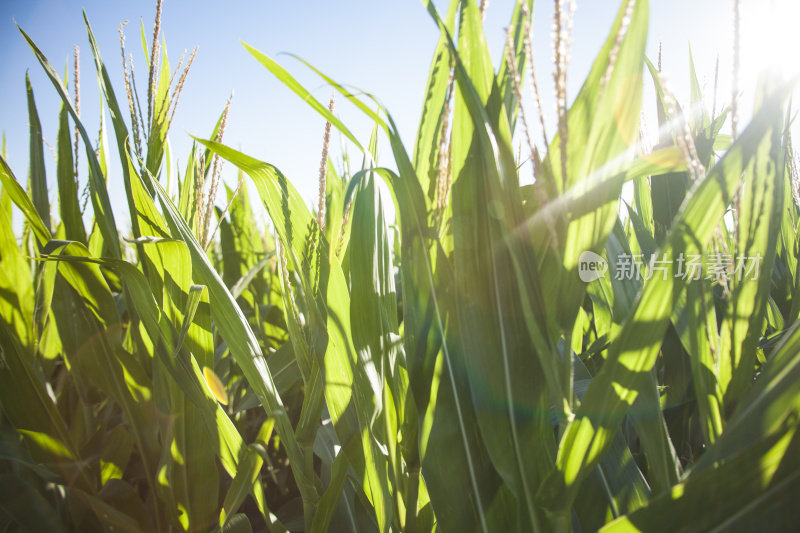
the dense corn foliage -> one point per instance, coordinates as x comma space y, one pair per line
457, 371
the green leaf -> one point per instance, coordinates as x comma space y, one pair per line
330, 499
488, 261
635, 348
38, 180
97, 184
26, 506
290, 82
68, 204
238, 335
120, 129
246, 476
373, 315
760, 209
428, 141
327, 300
117, 448
603, 129
187, 307
751, 490
12, 189
239, 523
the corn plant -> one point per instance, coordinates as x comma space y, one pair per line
557, 356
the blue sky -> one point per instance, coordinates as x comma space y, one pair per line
384, 47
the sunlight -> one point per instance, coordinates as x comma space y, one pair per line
770, 38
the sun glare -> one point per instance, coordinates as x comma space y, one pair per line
770, 37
